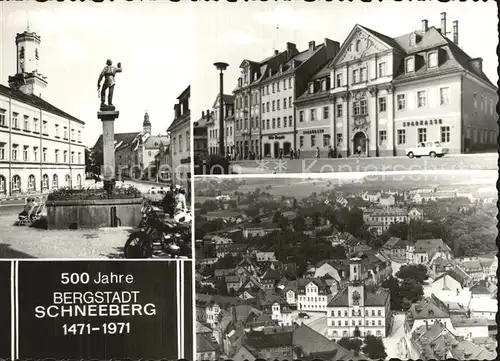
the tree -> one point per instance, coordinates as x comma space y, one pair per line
417, 273
374, 347
299, 224
352, 344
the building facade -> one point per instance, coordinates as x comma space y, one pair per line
40, 145
391, 93
200, 135
180, 138
357, 312
213, 127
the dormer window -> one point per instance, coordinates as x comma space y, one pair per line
432, 59
311, 88
413, 39
323, 85
410, 65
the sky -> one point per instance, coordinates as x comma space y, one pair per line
152, 40
234, 32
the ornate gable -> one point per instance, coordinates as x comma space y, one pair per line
359, 44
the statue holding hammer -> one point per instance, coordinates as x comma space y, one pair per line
108, 73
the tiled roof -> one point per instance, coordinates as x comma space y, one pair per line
395, 242
484, 288
36, 102
430, 246
378, 298
204, 344
458, 275
428, 308
466, 350
463, 321
260, 339
156, 141
201, 328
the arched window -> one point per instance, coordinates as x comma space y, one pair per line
16, 183
3, 183
21, 53
31, 183
79, 181
67, 180
55, 181
45, 181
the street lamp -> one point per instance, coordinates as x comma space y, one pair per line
221, 67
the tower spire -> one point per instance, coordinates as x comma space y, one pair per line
27, 20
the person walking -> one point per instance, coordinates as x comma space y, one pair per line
317, 152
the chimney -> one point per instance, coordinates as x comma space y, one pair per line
443, 24
455, 32
291, 49
203, 114
425, 25
312, 46
276, 52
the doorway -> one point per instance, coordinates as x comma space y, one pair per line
276, 149
359, 140
286, 148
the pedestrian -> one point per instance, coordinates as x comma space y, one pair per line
281, 153
298, 153
291, 154
317, 152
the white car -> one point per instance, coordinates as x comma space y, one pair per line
432, 149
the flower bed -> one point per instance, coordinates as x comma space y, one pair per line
128, 192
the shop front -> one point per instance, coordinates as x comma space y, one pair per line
275, 144
310, 139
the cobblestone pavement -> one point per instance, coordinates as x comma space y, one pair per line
456, 162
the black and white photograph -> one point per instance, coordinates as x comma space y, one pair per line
95, 135
293, 87
351, 266
100, 310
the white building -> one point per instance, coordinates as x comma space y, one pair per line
357, 312
469, 328
40, 145
180, 137
427, 312
313, 294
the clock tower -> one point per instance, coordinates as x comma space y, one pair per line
27, 78
356, 288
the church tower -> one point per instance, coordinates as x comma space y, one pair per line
27, 78
146, 125
356, 287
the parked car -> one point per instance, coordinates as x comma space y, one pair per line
432, 149
303, 315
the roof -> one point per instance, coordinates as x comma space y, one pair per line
377, 298
458, 275
312, 342
261, 339
395, 242
36, 102
226, 99
483, 287
428, 308
431, 246
156, 141
204, 344
201, 328
466, 350
124, 138
186, 115
463, 321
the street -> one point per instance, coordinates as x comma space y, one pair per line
397, 332
30, 242
456, 162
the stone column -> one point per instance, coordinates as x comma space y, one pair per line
108, 143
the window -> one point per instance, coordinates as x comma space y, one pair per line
401, 136
45, 181
284, 84
362, 74
444, 96
355, 76
326, 111
410, 65
15, 121
379, 313
358, 43
284, 103
278, 86
445, 134
326, 140
360, 107
382, 104
355, 299
339, 80
381, 70
267, 107
188, 141
340, 138
313, 115
311, 88
267, 121
44, 130
278, 104
421, 99
180, 143
14, 151
278, 122
67, 180
274, 105
26, 123
79, 180
73, 157
56, 153
491, 107
290, 83
73, 135
290, 102
323, 85
432, 59
35, 125
339, 110
65, 133
65, 156
474, 97
2, 118
79, 158
313, 140
274, 123
422, 135
16, 183
31, 182
382, 136
355, 108
401, 98
57, 130
301, 141
44, 154
2, 151
25, 153
273, 87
